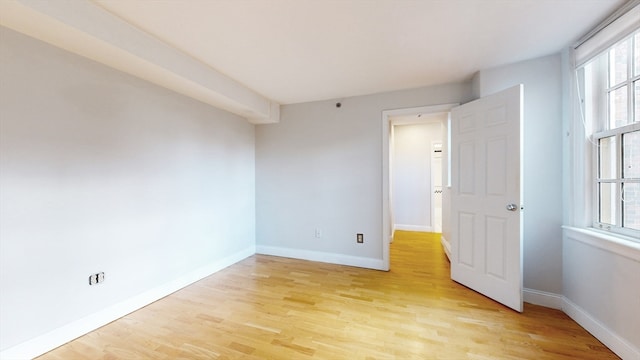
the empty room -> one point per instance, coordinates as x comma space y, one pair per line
319, 179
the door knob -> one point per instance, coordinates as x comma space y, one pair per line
512, 207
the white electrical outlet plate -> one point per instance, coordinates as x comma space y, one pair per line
96, 278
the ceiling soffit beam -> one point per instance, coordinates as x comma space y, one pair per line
86, 29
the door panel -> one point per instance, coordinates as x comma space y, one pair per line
466, 153
465, 251
486, 244
496, 166
496, 246
497, 115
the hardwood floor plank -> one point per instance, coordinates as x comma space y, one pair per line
277, 308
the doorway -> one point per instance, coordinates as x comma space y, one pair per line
416, 174
414, 166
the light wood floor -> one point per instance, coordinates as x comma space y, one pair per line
275, 308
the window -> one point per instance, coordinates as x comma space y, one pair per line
610, 87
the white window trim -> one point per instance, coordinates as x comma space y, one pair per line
613, 29
612, 229
579, 157
621, 245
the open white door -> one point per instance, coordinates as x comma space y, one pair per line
486, 219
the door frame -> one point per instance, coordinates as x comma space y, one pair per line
386, 171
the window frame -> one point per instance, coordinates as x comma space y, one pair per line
600, 118
619, 180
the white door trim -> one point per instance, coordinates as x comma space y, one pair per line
386, 114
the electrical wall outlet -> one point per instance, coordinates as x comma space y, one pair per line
359, 238
318, 233
96, 278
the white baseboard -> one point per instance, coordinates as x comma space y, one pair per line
612, 340
49, 341
543, 298
446, 246
413, 228
368, 263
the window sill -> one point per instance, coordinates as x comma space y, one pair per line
617, 244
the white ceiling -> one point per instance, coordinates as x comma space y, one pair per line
304, 50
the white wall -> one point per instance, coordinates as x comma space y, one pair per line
105, 172
411, 171
602, 289
321, 167
542, 157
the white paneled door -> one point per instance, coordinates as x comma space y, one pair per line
486, 217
